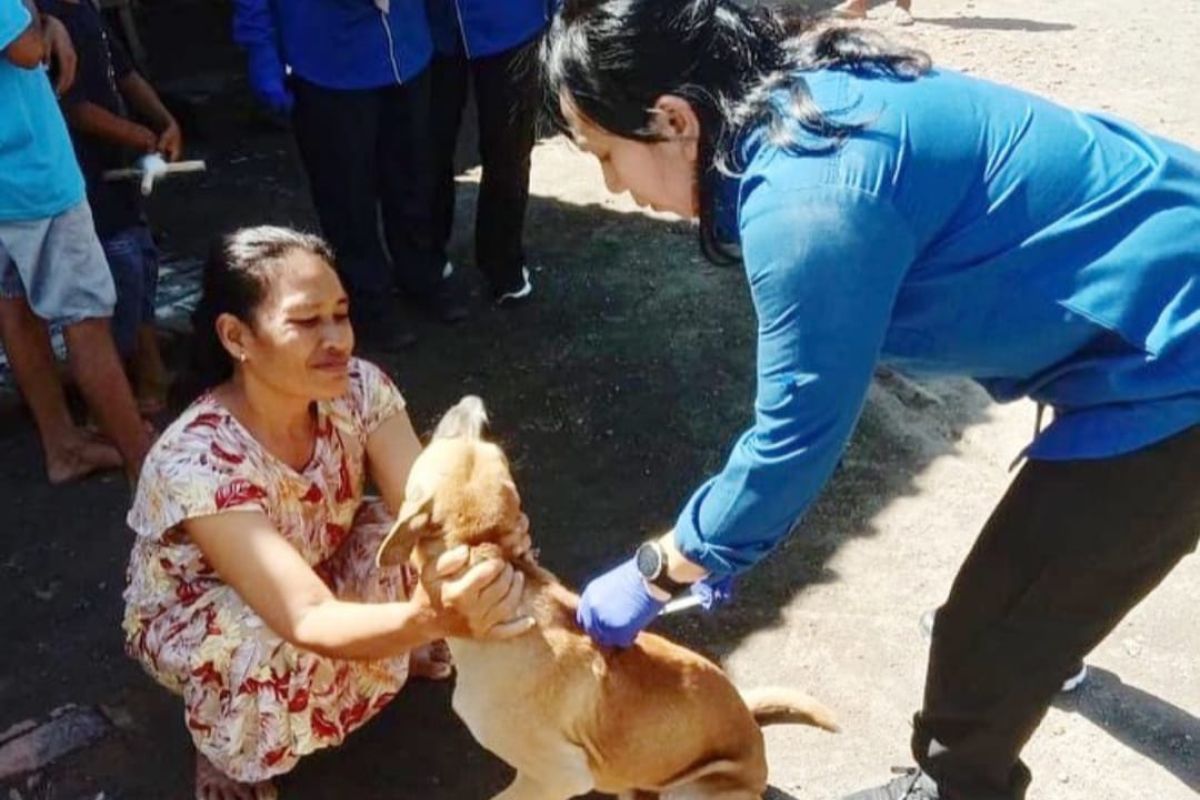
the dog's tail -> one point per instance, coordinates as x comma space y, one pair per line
780, 706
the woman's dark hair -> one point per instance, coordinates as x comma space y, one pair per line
236, 279
615, 58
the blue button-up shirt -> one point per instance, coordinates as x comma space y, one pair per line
480, 28
339, 44
971, 229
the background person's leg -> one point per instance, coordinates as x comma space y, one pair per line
70, 453
101, 379
123, 252
337, 132
1071, 548
449, 95
63, 271
505, 93
407, 183
150, 373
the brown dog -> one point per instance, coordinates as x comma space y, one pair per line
651, 720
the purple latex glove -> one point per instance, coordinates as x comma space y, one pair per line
268, 80
616, 606
713, 593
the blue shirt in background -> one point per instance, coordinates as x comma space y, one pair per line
38, 174
971, 229
339, 44
480, 28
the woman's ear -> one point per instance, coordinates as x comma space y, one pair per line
676, 120
233, 334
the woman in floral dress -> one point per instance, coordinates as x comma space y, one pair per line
253, 591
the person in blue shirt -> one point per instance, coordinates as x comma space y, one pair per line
489, 43
52, 267
354, 77
889, 211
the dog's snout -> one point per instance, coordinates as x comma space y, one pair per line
466, 420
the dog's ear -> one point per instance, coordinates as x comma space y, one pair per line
411, 523
465, 421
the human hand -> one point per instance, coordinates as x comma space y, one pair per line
616, 606
484, 600
268, 80
60, 53
170, 141
144, 140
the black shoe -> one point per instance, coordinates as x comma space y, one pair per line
913, 784
451, 300
1078, 677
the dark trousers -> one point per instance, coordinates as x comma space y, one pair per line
1072, 547
366, 153
505, 97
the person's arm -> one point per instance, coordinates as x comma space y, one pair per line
391, 450
93, 120
60, 51
146, 103
824, 267
21, 35
250, 555
255, 31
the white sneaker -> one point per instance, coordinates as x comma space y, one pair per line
516, 296
1075, 681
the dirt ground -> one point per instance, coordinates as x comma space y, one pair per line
616, 392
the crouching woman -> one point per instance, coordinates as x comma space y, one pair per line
253, 591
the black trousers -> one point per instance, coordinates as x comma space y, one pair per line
366, 153
1072, 547
505, 98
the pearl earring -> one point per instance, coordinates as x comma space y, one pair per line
242, 357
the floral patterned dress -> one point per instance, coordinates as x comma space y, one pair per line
255, 704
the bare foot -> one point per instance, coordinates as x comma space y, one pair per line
81, 458
432, 662
212, 784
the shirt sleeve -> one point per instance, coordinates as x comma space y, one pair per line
195, 470
375, 397
254, 25
824, 266
14, 19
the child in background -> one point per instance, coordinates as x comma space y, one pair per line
105, 110
52, 268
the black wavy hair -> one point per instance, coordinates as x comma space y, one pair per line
236, 278
615, 58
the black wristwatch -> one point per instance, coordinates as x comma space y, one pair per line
651, 562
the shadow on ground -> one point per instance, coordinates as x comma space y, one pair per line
996, 24
1160, 731
615, 393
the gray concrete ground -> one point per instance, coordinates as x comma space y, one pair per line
615, 393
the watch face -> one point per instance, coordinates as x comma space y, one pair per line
649, 561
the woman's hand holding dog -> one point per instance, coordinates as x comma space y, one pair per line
481, 601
